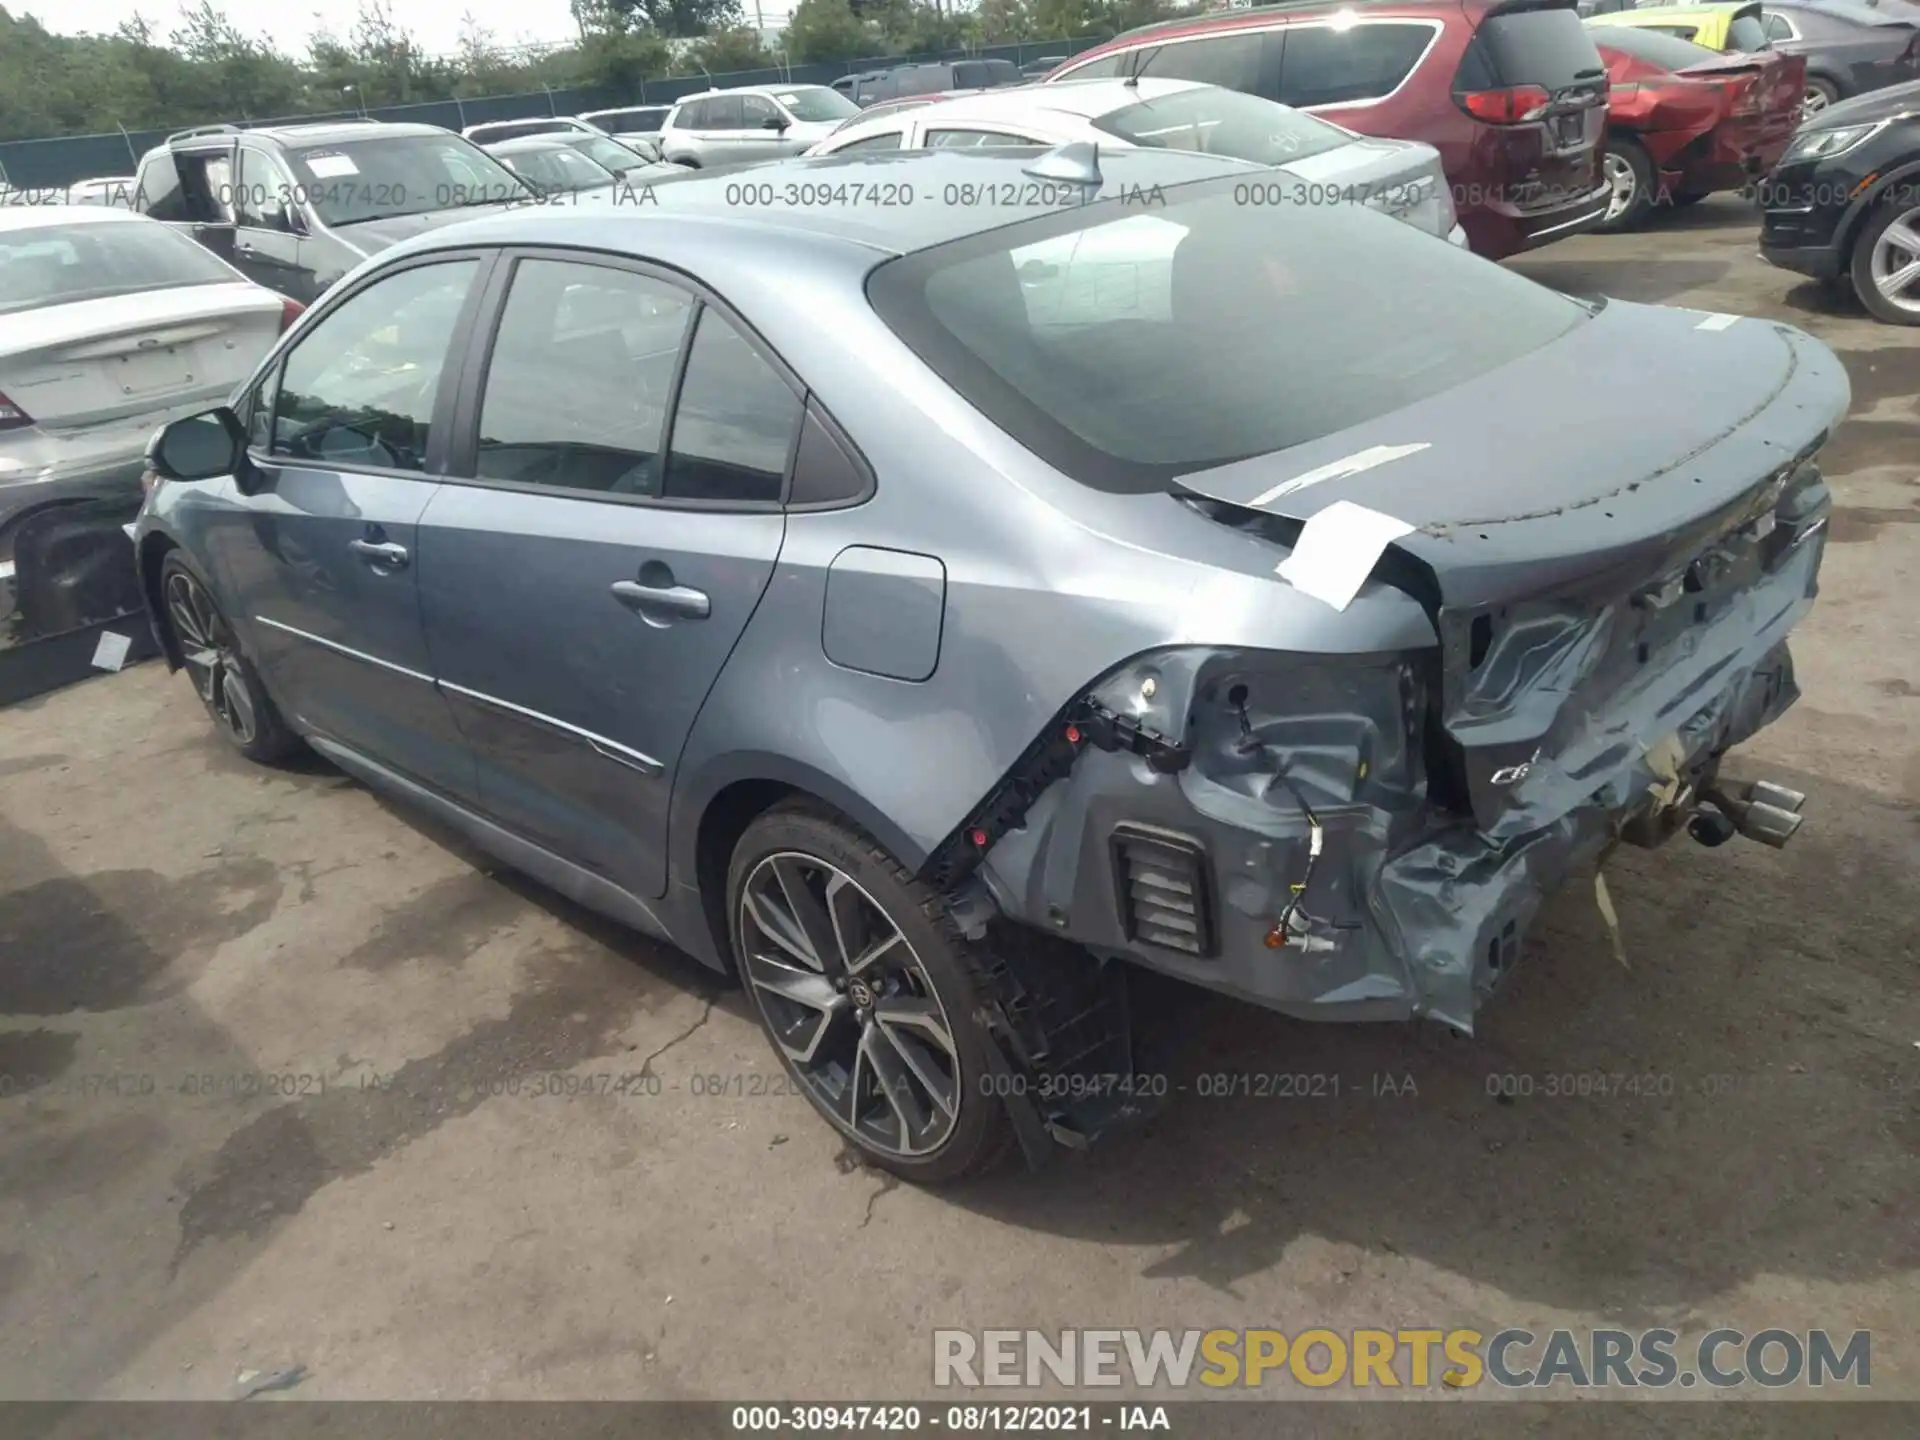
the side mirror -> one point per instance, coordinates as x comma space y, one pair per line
199, 447
774, 122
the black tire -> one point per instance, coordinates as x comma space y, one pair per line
1645, 186
978, 1134
1860, 264
1825, 90
221, 676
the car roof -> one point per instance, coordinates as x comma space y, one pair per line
624, 109
30, 217
753, 90
1084, 99
1259, 15
329, 132
916, 187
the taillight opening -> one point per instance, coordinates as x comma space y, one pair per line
290, 311
12, 417
1515, 105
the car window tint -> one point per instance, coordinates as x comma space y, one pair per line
724, 113
1129, 348
157, 189
889, 141
359, 388
577, 388
1682, 32
973, 139
1777, 28
1105, 68
1323, 66
756, 110
1746, 34
734, 425
1229, 60
260, 194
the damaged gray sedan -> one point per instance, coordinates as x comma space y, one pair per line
929, 580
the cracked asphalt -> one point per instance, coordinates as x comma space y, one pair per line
287, 1077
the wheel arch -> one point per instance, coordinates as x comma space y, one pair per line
713, 811
1855, 219
152, 554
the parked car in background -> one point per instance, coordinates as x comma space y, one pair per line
904, 80
550, 166
758, 122
110, 325
927, 622
294, 207
894, 107
637, 126
1684, 121
1401, 177
852, 86
626, 161
1738, 25
1844, 203
1037, 69
492, 132
1510, 92
1850, 48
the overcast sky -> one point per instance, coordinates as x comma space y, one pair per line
436, 25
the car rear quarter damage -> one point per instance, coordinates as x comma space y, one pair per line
1369, 836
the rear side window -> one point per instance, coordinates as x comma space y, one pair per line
888, 141
1777, 28
1229, 60
1105, 68
692, 116
921, 80
1129, 348
1323, 66
1666, 51
733, 428
1747, 35
1548, 47
974, 139
724, 113
582, 370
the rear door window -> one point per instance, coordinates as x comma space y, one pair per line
1549, 48
1324, 66
1777, 27
1229, 60
724, 113
973, 139
577, 387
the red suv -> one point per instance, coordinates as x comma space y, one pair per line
1512, 93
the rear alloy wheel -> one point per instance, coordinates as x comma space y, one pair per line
867, 991
1886, 264
221, 677
1818, 95
1630, 185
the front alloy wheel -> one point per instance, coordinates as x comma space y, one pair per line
1886, 265
850, 1005
210, 654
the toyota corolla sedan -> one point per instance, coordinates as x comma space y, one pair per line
928, 604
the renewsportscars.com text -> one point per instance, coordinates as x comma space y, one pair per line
1402, 1358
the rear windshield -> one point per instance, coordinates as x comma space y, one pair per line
1668, 51
59, 264
376, 179
610, 153
1127, 344
816, 103
1549, 48
1224, 122
557, 169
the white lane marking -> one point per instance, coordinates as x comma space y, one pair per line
1352, 465
1337, 550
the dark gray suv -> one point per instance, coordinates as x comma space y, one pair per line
294, 207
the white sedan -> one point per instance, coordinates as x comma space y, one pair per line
1325, 162
111, 324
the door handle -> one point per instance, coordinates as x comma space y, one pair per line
377, 553
681, 600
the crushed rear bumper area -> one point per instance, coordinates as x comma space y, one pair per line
1276, 828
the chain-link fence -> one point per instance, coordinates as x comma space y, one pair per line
51, 163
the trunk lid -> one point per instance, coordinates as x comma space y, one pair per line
80, 364
1403, 178
1562, 577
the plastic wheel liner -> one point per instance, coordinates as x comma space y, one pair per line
1367, 837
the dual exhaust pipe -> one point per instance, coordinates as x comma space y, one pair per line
1760, 810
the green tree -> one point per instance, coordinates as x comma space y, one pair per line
725, 52
679, 19
826, 30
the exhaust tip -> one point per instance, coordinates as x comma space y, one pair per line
1769, 824
1765, 792
1711, 828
